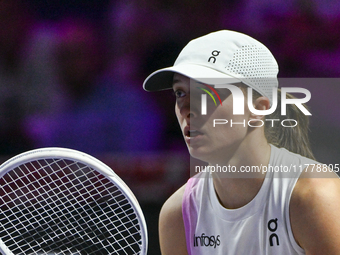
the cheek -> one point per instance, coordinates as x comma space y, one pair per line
176, 110
178, 114
224, 111
231, 130
231, 127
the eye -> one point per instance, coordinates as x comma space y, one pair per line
179, 93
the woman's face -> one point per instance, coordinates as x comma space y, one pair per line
204, 141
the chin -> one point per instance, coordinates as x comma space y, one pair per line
200, 154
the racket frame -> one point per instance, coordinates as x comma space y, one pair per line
84, 158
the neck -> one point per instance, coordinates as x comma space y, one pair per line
236, 189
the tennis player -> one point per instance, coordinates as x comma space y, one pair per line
291, 206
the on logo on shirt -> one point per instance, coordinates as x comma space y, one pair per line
272, 226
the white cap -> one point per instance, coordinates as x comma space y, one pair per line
221, 56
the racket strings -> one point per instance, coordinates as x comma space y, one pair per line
61, 206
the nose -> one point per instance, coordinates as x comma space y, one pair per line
188, 109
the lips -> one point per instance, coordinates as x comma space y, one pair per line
194, 133
191, 132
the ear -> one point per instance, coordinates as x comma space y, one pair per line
261, 103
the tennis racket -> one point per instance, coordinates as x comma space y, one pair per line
62, 201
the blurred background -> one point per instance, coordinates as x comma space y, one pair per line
71, 74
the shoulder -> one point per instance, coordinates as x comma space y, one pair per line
171, 225
314, 208
172, 208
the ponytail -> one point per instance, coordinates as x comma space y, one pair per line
294, 139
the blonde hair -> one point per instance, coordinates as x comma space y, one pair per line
294, 139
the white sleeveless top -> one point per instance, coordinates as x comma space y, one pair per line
261, 227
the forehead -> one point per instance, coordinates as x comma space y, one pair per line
182, 80
179, 78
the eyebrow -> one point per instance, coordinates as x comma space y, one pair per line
175, 81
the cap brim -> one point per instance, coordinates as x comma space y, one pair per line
162, 79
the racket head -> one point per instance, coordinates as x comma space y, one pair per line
63, 201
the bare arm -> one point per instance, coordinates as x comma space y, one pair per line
171, 226
314, 213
